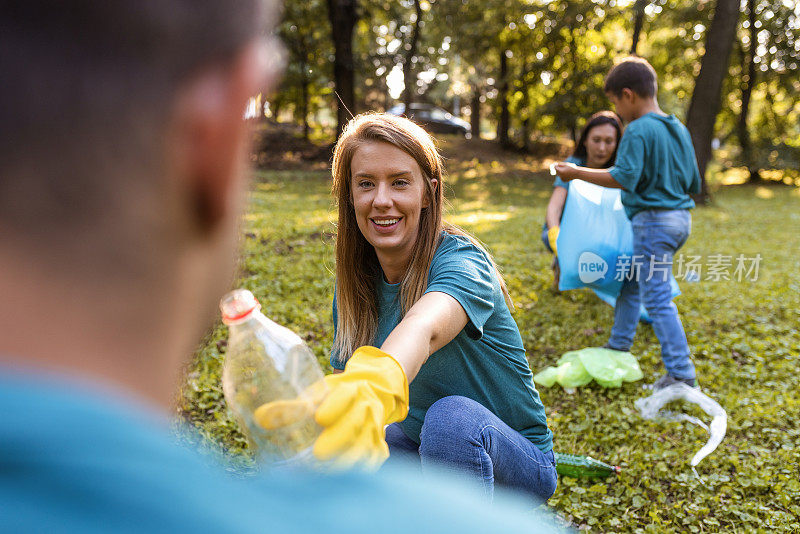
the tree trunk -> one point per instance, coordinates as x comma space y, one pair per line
705, 102
408, 65
475, 112
502, 96
343, 18
638, 22
528, 112
748, 82
277, 105
304, 105
574, 84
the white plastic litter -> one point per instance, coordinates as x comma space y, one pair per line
650, 408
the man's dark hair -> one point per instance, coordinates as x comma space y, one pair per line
84, 104
598, 119
632, 73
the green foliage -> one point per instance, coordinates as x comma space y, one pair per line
558, 53
774, 117
744, 338
309, 49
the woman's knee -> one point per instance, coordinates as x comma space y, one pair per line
453, 419
549, 478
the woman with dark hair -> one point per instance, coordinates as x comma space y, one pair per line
424, 339
596, 148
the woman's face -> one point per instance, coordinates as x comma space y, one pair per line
600, 144
388, 193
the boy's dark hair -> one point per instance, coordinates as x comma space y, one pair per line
598, 119
632, 73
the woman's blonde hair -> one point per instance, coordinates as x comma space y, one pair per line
357, 267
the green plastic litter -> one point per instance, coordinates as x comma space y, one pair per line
610, 368
572, 371
547, 377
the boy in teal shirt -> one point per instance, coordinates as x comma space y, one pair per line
656, 170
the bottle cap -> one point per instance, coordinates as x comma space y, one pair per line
237, 305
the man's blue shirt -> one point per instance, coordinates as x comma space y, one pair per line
75, 458
656, 165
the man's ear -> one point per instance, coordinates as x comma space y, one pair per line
210, 136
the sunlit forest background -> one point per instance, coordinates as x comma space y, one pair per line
523, 72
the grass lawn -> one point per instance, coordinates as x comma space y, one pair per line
745, 337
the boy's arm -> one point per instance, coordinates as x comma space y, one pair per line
570, 171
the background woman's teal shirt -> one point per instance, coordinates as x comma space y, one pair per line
485, 361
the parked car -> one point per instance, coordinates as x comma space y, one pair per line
433, 118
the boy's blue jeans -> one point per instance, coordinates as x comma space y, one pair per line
462, 435
657, 235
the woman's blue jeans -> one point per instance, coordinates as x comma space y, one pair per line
657, 235
461, 435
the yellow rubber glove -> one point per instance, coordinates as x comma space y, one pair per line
371, 393
353, 407
552, 237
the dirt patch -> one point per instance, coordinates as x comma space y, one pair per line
280, 146
459, 149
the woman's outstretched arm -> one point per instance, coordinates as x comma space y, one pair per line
555, 208
431, 323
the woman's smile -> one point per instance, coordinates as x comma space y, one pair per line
384, 224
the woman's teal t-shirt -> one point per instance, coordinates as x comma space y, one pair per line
485, 361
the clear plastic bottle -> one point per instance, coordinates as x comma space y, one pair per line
268, 363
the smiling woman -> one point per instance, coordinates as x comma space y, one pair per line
450, 378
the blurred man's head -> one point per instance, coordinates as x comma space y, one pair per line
123, 152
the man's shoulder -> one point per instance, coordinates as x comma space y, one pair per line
116, 462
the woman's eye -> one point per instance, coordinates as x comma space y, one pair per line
401, 183
363, 184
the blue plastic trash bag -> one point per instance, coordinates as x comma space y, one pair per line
595, 244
